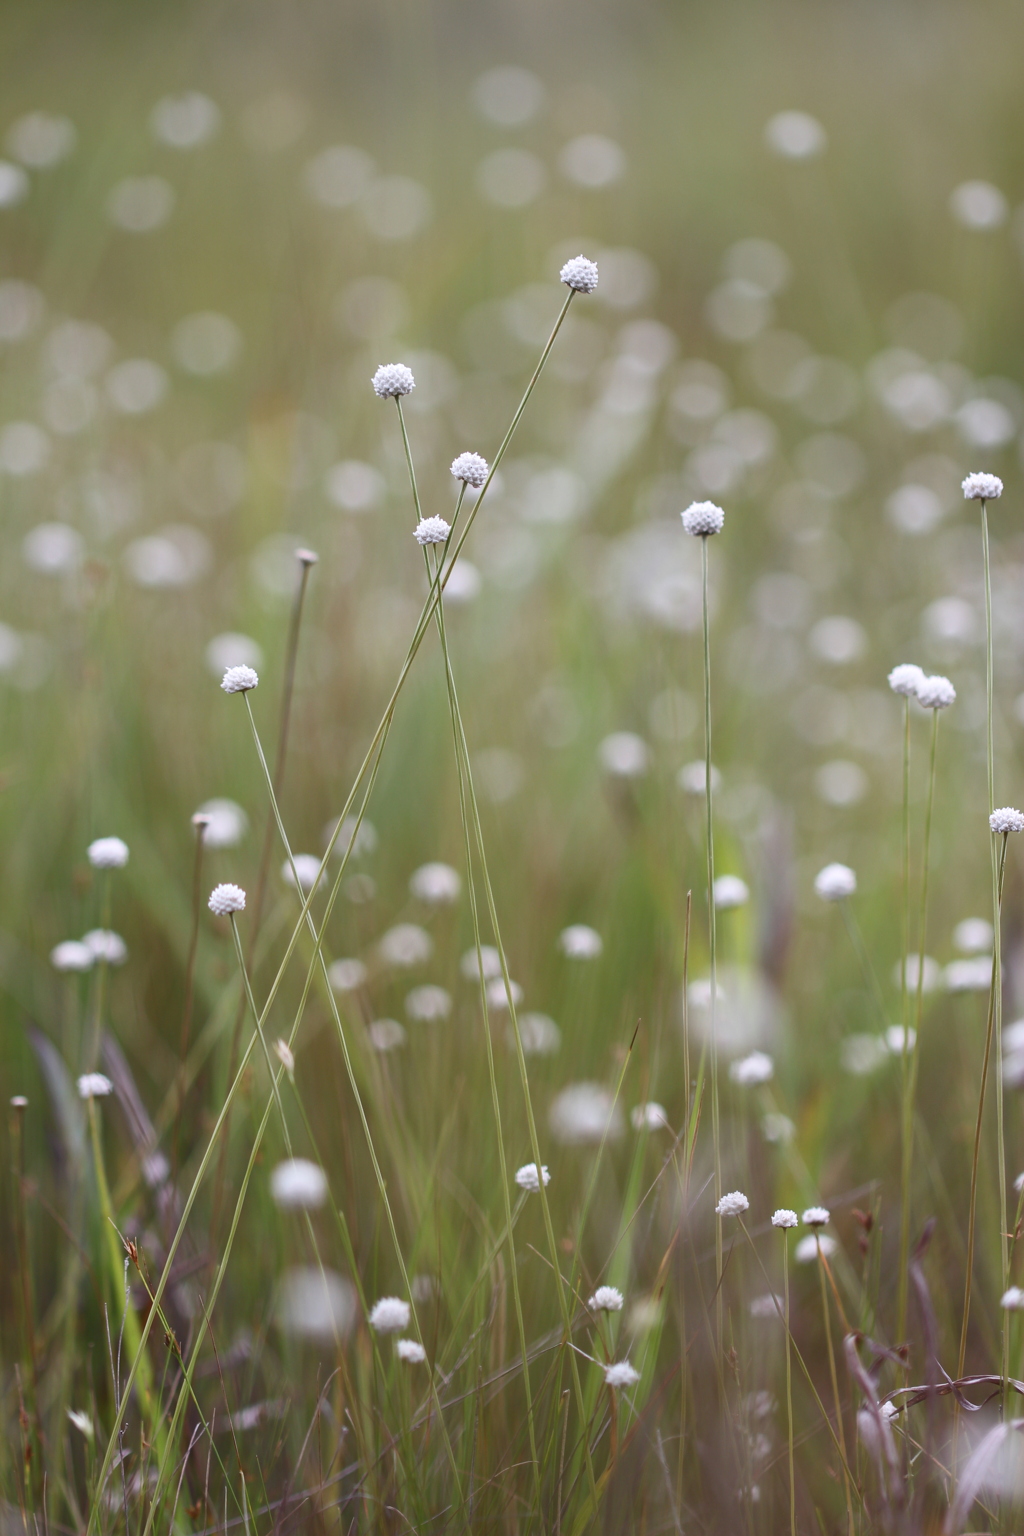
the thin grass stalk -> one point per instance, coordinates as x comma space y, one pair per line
789, 1387
710, 850
905, 1128
864, 959
17, 1132
840, 1431
199, 823
100, 994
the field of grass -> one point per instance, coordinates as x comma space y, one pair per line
216, 222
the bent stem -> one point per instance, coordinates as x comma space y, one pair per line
709, 834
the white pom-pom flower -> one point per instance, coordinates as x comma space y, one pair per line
240, 679
285, 1055
72, 955
809, 1247
307, 867
835, 882
106, 945
936, 692
906, 679
784, 1218
648, 1117
607, 1298
436, 884
621, 1374
225, 899
298, 1184
410, 1351
390, 1315
579, 274
729, 892
982, 487
527, 1177
431, 530
579, 942
751, 1070
392, 380
471, 469
108, 853
1006, 819
733, 1204
816, 1216
93, 1085
1012, 1300
703, 518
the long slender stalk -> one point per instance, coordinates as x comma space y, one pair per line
710, 849
826, 1314
906, 1128
199, 822
789, 1387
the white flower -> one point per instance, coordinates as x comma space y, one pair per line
93, 1085
72, 955
307, 867
607, 1298
1006, 819
498, 993
431, 530
226, 898
808, 1247
584, 1114
702, 518
732, 1205
108, 853
316, 1303
624, 754
82, 1422
648, 1117
410, 1351
239, 680
346, 975
621, 1374
580, 275
285, 1055
982, 487
692, 777
973, 935
489, 965
973, 975
894, 1039
224, 823
580, 942
936, 692
730, 891
540, 1035
527, 1178
906, 679
470, 468
406, 944
784, 1218
929, 971
835, 882
428, 1004
766, 1305
753, 1069
888, 1411
298, 1184
816, 1216
392, 380
390, 1315
436, 884
778, 1128
386, 1035
1012, 1300
106, 945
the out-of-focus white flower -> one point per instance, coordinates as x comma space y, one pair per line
785, 1218
346, 975
108, 853
72, 955
406, 944
428, 1004
733, 1204
585, 1114
692, 777
766, 1305
835, 882
436, 884
579, 274
753, 1069
540, 1035
1012, 1300
498, 993
895, 1038
906, 679
285, 1055
106, 945
489, 963
580, 942
929, 970
648, 1117
298, 1184
226, 823
978, 205
973, 935
410, 1351
607, 1298
232, 650
816, 1216
239, 680
973, 975
82, 1422
624, 755
981, 487
431, 530
809, 1247
1006, 819
386, 1035
225, 899
307, 867
621, 1374
527, 1177
316, 1304
390, 1315
863, 1054
936, 692
889, 1411
392, 380
471, 468
778, 1128
93, 1085
703, 518
730, 891
795, 135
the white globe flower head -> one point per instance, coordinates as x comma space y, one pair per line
580, 275
285, 1055
973, 935
298, 1184
226, 899
579, 942
1006, 819
730, 892
815, 1243
752, 1070
392, 380
1012, 1300
621, 1374
733, 1204
390, 1315
431, 530
527, 1177
471, 469
106, 945
607, 1298
816, 1216
981, 487
703, 518
436, 884
239, 679
93, 1085
906, 679
108, 853
72, 955
785, 1219
835, 882
936, 692
307, 868
410, 1351
648, 1117
224, 823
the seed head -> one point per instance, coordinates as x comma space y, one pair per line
816, 1216
410, 1351
108, 853
1006, 819
835, 882
621, 1374
225, 899
527, 1178
733, 1204
702, 518
392, 380
390, 1315
471, 469
580, 275
784, 1218
239, 680
936, 692
431, 530
93, 1085
982, 487
906, 679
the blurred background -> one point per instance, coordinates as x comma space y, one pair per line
216, 220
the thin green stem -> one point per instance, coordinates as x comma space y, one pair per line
710, 848
826, 1314
789, 1386
907, 1130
